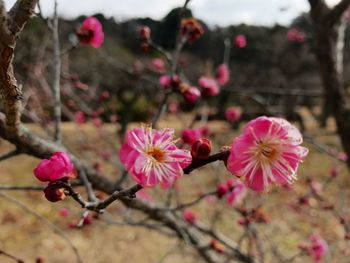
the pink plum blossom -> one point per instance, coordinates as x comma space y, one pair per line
79, 117
233, 114
189, 216
158, 64
91, 33
267, 152
64, 212
59, 166
151, 156
164, 81
191, 95
240, 41
223, 74
318, 247
209, 86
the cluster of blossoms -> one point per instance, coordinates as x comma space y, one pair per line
295, 35
59, 168
91, 32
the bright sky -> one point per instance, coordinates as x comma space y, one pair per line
213, 12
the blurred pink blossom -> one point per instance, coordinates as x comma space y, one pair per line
79, 117
267, 152
64, 212
223, 74
209, 86
91, 33
158, 64
191, 95
233, 114
151, 156
295, 35
164, 81
240, 41
191, 135
318, 248
237, 192
189, 216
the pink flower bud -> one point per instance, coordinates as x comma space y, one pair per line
219, 248
79, 117
233, 114
54, 194
158, 64
59, 166
223, 74
201, 148
164, 81
191, 95
189, 216
191, 29
208, 86
240, 41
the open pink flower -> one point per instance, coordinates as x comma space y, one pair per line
318, 247
223, 74
151, 157
240, 41
158, 64
267, 152
208, 86
91, 33
59, 166
233, 114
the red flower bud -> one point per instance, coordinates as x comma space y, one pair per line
201, 148
54, 194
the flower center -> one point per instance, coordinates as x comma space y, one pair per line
267, 151
156, 153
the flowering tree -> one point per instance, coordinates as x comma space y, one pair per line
265, 155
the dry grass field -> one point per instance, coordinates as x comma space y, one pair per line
25, 236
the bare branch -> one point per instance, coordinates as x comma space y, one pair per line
9, 155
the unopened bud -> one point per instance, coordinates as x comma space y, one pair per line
201, 148
54, 194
